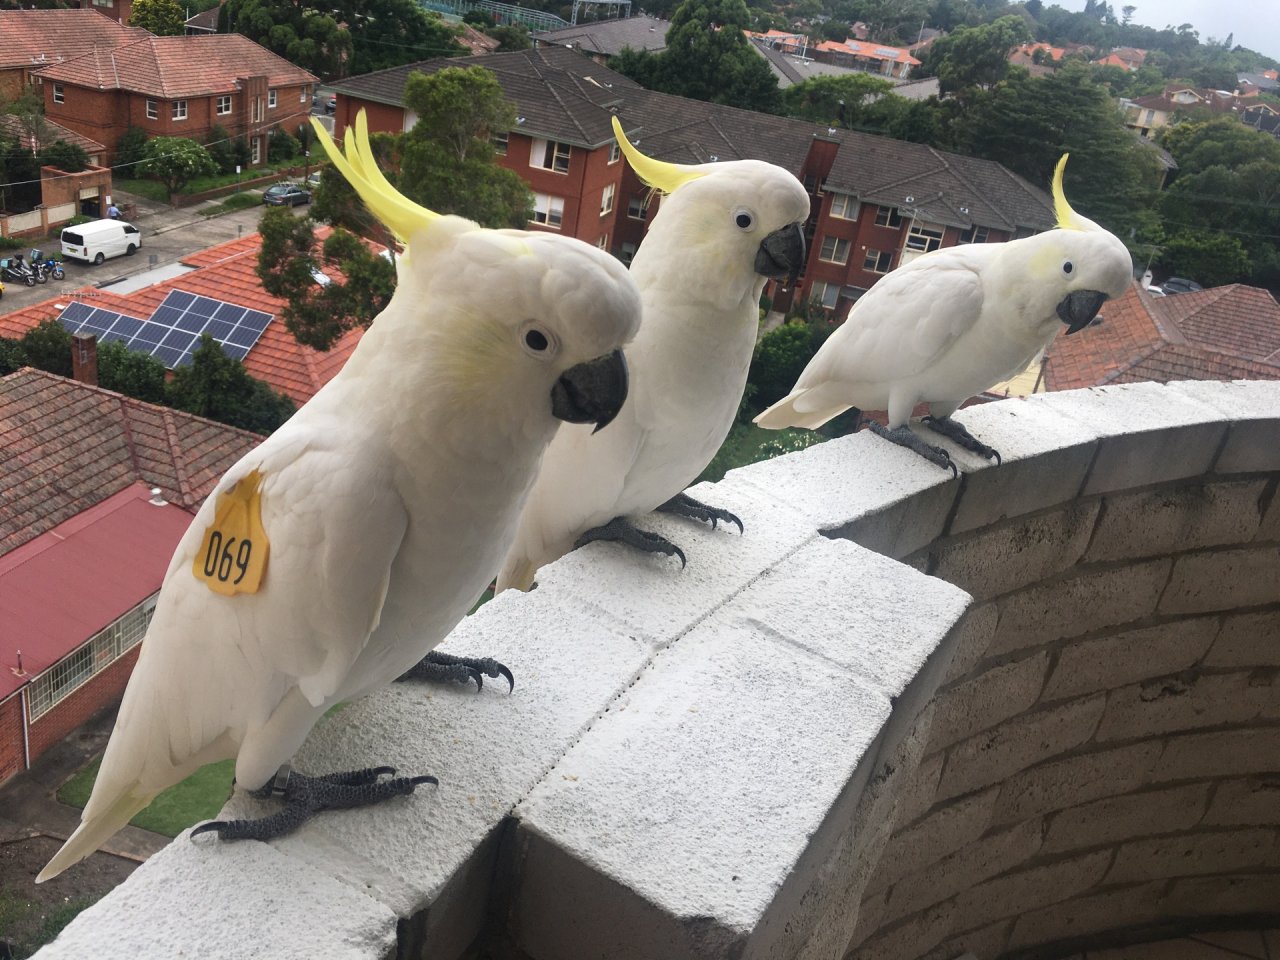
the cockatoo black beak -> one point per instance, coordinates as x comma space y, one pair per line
781, 254
591, 392
1078, 309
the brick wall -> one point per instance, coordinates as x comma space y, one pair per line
11, 748
103, 690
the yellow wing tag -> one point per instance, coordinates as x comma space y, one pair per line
233, 553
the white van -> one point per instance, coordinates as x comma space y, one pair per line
96, 240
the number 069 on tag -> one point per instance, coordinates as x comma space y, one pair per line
233, 552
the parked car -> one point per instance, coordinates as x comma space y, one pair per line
313, 180
285, 195
96, 240
1179, 285
331, 105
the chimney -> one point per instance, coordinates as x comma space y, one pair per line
84, 358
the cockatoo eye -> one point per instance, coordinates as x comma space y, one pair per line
537, 341
1068, 267
744, 219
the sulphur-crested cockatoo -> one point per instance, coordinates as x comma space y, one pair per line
722, 230
954, 322
330, 559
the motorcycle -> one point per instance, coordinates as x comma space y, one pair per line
47, 265
17, 271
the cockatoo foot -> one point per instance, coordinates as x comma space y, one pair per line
956, 431
904, 437
619, 530
305, 796
437, 667
683, 505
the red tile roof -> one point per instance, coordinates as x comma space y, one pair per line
33, 36
66, 446
1226, 333
61, 588
176, 67
53, 133
227, 272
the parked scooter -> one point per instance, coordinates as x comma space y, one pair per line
17, 271
46, 265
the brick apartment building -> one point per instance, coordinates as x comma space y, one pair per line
85, 541
167, 86
31, 39
876, 201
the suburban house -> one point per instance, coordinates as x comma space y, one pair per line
1036, 53
1127, 58
96, 489
31, 39
1224, 333
118, 10
875, 201
1146, 115
178, 87
225, 273
602, 39
894, 62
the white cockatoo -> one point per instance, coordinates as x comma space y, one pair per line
722, 230
330, 559
952, 323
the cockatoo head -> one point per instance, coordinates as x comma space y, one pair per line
538, 314
731, 221
1076, 267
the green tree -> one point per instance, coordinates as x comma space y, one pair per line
221, 148
1213, 259
12, 356
131, 149
47, 346
973, 57
707, 57
131, 372
782, 354
511, 36
448, 158
217, 386
176, 161
69, 157
359, 282
164, 18
837, 100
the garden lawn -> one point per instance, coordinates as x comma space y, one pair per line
150, 189
199, 797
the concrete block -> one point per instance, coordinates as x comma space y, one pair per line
1249, 896
700, 756
1247, 640
920, 792
972, 636
1020, 743
1079, 604
242, 900
436, 848
1186, 702
1075, 780
1173, 520
910, 938
1088, 666
1149, 434
990, 856
652, 594
990, 698
1045, 452
870, 917
1227, 753
1021, 891
1113, 819
985, 942
1223, 580
898, 500
1121, 909
995, 561
1193, 854
940, 834
1253, 406
1269, 503
1254, 801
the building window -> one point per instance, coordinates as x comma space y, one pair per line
974, 234
1151, 116
499, 141
626, 253
58, 93
826, 293
603, 242
224, 104
178, 109
548, 210
844, 206
878, 261
550, 155
255, 150
87, 661
615, 152
923, 237
271, 99
258, 111
834, 250
888, 217
152, 112
302, 95
636, 208
606, 201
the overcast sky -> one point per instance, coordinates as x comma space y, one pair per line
1254, 23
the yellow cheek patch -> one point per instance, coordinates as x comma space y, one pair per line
233, 554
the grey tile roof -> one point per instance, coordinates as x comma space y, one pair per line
610, 37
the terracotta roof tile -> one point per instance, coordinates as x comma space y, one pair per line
32, 36
65, 446
54, 132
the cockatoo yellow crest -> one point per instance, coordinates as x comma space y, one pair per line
662, 176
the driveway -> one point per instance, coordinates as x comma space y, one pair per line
168, 235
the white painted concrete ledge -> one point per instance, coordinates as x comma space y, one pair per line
700, 763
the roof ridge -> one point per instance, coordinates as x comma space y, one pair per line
1132, 362
127, 426
175, 450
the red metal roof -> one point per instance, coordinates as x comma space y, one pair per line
58, 590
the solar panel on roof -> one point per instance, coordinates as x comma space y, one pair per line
179, 300
232, 326
75, 313
81, 318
